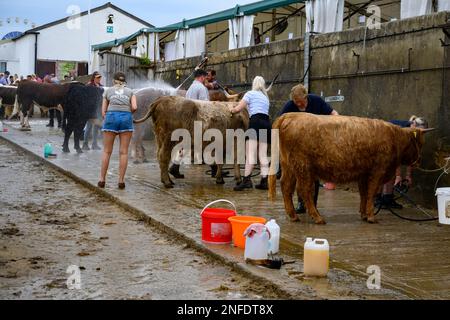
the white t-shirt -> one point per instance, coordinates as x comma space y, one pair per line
257, 102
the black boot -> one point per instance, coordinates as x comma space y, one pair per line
175, 171
50, 124
263, 184
389, 202
378, 202
213, 170
300, 207
245, 184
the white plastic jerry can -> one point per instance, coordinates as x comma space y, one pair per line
256, 242
274, 241
316, 257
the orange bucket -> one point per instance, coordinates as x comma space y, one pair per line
238, 226
329, 186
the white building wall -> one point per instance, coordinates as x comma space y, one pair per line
25, 54
8, 55
69, 41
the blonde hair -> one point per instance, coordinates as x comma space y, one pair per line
419, 122
298, 91
259, 84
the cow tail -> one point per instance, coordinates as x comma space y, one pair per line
274, 163
149, 113
16, 107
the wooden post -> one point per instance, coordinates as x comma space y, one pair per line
274, 21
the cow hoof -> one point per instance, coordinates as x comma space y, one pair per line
238, 181
66, 150
168, 185
220, 181
372, 220
145, 161
137, 162
294, 219
79, 151
320, 221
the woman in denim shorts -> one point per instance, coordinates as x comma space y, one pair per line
119, 103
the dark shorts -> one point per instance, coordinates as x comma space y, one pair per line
261, 121
118, 122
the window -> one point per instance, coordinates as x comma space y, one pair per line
3, 67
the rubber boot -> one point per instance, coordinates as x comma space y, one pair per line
245, 184
300, 207
263, 184
378, 202
174, 170
389, 201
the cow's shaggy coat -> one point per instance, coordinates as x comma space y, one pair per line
171, 113
340, 149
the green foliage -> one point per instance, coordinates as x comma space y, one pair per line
144, 61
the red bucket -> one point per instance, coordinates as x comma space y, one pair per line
216, 228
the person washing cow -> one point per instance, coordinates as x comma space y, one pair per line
119, 103
91, 127
301, 101
257, 103
197, 91
385, 199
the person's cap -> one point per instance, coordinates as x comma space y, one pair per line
7, 73
120, 76
200, 73
96, 74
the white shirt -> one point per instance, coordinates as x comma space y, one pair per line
257, 102
197, 91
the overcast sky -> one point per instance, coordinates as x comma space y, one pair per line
157, 12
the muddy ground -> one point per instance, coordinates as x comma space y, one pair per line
48, 223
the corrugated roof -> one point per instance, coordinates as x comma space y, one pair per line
238, 10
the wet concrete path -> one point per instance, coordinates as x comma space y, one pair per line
413, 257
48, 223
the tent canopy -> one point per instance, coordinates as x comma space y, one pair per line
231, 13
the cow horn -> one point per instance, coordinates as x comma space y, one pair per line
427, 130
273, 81
230, 96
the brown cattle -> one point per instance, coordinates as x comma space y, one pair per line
145, 97
340, 149
171, 113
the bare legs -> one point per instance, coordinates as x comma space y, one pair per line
252, 154
125, 139
108, 144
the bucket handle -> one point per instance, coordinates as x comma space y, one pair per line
220, 200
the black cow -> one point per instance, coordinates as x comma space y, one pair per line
80, 104
45, 95
8, 98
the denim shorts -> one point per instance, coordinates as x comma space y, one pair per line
118, 122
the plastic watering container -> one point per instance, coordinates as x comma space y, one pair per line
274, 241
48, 150
443, 199
215, 225
239, 224
256, 242
316, 257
